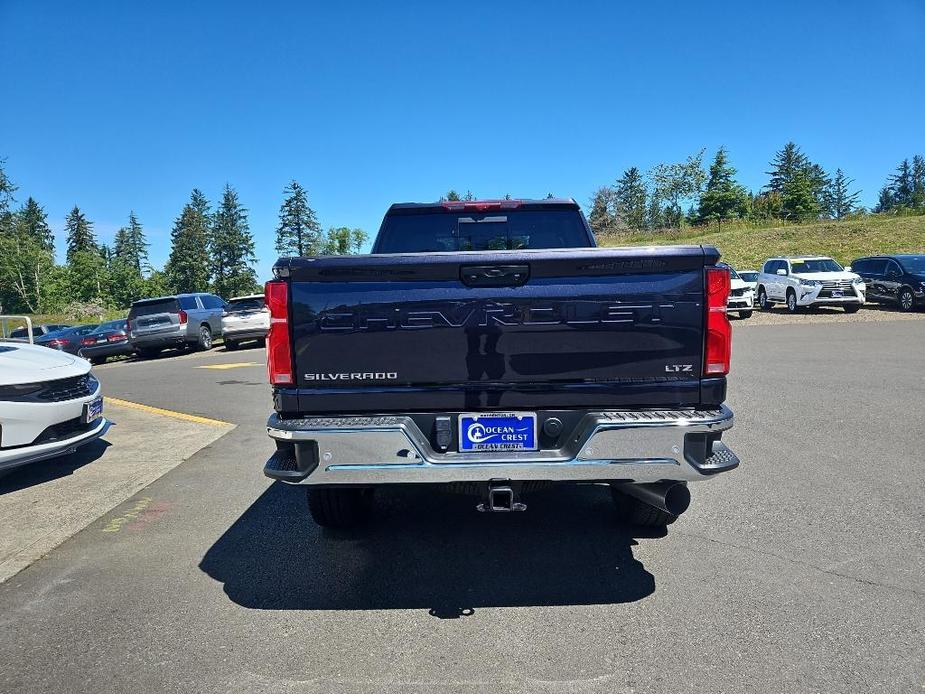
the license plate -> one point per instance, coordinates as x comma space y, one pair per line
837, 294
497, 431
92, 410
101, 341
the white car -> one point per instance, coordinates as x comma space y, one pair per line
50, 404
741, 297
750, 277
245, 318
809, 281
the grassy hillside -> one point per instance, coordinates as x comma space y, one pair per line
747, 246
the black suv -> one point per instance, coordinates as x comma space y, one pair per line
898, 279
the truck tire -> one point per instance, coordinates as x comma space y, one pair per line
763, 302
338, 508
633, 511
204, 342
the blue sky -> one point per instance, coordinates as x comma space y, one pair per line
128, 106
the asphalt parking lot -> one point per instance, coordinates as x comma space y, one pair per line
800, 571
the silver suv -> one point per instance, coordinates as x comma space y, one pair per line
183, 320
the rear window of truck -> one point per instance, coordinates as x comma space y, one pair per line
465, 230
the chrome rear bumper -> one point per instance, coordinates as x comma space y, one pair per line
638, 446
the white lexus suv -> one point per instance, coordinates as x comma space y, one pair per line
809, 281
50, 403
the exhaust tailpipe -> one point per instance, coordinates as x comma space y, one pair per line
671, 497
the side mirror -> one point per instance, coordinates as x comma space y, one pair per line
782, 272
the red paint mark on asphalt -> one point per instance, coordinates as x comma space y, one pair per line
149, 515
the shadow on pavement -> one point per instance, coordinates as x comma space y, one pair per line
430, 550
43, 471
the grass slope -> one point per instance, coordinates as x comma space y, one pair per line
745, 246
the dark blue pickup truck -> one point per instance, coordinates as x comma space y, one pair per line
489, 345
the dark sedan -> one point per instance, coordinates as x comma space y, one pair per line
38, 330
895, 279
66, 339
108, 340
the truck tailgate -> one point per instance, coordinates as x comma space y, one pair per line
604, 328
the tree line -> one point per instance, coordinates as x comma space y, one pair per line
671, 195
210, 250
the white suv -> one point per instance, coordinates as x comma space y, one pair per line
741, 296
809, 281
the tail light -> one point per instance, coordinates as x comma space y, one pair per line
117, 337
88, 341
57, 342
279, 353
182, 316
718, 342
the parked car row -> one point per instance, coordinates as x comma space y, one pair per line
50, 402
194, 321
804, 281
153, 325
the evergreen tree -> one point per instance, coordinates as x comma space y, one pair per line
298, 232
602, 218
786, 163
918, 181
884, 200
79, 233
840, 200
819, 182
723, 198
34, 222
630, 198
451, 196
901, 185
188, 267
6, 199
121, 246
799, 198
137, 245
468, 197
655, 214
232, 247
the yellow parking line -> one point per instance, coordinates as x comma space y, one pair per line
167, 413
230, 365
